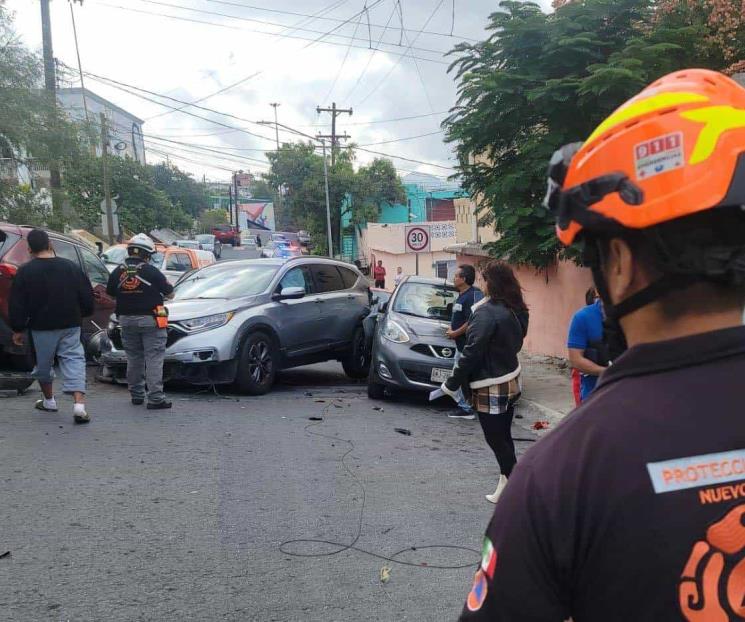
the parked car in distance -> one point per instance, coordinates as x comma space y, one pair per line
210, 243
409, 349
14, 253
280, 249
193, 244
243, 321
227, 234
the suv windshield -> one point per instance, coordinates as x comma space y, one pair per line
434, 302
226, 281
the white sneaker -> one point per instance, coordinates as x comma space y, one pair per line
493, 498
79, 414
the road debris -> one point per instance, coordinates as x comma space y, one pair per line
385, 574
403, 431
540, 425
316, 418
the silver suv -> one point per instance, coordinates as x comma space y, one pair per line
243, 321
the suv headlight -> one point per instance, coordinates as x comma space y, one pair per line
393, 331
207, 322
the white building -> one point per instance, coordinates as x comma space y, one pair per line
125, 128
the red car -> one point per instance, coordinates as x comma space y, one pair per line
227, 234
14, 253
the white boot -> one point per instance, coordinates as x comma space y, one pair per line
500, 487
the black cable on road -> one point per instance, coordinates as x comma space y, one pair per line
352, 546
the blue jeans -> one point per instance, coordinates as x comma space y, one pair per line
462, 403
64, 344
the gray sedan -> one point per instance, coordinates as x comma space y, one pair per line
243, 321
410, 350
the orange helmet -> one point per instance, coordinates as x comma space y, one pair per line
676, 149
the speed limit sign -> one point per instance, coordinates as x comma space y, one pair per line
418, 239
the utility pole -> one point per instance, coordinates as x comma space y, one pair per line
328, 204
230, 203
106, 180
50, 84
80, 66
335, 112
275, 105
235, 193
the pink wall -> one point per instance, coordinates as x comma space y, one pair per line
552, 295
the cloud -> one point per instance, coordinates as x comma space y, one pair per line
190, 60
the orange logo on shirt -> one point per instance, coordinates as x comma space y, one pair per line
712, 586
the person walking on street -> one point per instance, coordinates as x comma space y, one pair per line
140, 290
49, 297
489, 363
468, 296
587, 352
379, 275
633, 508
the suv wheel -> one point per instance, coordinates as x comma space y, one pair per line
357, 362
375, 390
257, 367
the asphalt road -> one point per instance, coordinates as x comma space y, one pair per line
182, 515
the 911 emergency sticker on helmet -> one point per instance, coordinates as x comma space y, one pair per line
659, 155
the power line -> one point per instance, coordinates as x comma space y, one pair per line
209, 149
263, 32
370, 59
417, 116
398, 140
258, 8
119, 84
396, 64
344, 60
309, 19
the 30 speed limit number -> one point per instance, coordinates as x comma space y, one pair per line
418, 239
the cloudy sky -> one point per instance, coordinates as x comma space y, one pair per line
300, 53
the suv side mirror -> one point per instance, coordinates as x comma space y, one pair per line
383, 308
290, 293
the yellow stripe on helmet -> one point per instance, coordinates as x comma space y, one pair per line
644, 106
717, 120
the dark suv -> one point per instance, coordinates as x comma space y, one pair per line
14, 253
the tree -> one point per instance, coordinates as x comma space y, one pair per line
181, 188
357, 194
141, 205
30, 125
211, 218
544, 80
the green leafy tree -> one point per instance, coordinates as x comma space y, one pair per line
543, 80
181, 188
141, 205
210, 218
298, 168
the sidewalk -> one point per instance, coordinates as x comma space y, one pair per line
547, 393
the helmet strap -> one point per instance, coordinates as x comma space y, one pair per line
616, 340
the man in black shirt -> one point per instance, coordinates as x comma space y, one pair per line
49, 297
468, 296
634, 507
140, 289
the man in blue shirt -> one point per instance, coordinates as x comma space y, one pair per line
585, 343
468, 296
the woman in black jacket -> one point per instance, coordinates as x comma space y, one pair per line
489, 363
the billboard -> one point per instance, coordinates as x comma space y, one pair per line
260, 212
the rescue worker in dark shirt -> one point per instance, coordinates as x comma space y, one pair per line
140, 290
634, 507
